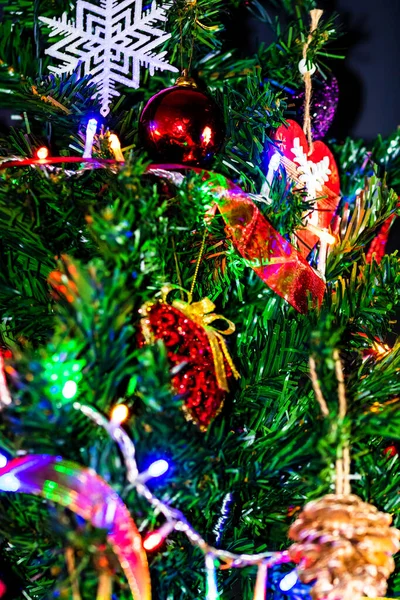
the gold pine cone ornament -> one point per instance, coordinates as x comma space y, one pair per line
346, 546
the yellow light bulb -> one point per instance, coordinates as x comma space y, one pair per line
42, 153
323, 234
381, 349
119, 413
116, 147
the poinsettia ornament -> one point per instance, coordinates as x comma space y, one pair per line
195, 346
315, 171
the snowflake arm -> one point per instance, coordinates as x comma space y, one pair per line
110, 42
313, 175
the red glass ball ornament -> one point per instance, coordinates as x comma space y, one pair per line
182, 125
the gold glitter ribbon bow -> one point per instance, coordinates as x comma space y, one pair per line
201, 313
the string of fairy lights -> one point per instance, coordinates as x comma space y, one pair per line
86, 161
175, 521
214, 558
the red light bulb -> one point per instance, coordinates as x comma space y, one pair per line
156, 538
153, 541
390, 451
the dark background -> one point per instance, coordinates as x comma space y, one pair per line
369, 77
373, 65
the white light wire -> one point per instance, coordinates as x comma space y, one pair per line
127, 448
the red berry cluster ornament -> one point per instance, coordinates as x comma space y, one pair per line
182, 125
193, 344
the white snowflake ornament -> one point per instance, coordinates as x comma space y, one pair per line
313, 175
312, 170
110, 41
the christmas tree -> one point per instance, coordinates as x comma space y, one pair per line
198, 318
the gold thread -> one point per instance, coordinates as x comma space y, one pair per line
191, 4
196, 272
181, 43
104, 589
177, 269
341, 386
343, 463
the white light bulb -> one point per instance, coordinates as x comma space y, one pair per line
90, 133
158, 468
69, 390
9, 483
288, 581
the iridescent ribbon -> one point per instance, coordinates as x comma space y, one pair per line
268, 253
86, 494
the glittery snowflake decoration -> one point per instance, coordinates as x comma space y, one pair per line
110, 41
